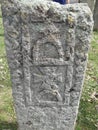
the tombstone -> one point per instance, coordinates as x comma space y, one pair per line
91, 3
96, 16
47, 48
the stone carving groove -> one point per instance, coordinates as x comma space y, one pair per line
48, 85
47, 46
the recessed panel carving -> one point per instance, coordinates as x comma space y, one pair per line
49, 65
48, 83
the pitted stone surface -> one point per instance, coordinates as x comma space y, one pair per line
47, 47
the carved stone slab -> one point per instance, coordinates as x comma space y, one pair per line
47, 47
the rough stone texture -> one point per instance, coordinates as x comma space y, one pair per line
91, 3
47, 48
96, 16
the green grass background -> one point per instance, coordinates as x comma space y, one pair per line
88, 111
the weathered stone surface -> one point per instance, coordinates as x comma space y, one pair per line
91, 3
96, 16
47, 47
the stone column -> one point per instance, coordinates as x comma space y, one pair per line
47, 48
91, 3
96, 16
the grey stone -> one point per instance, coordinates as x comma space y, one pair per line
47, 48
96, 16
74, 1
91, 3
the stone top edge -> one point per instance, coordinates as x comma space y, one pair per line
34, 3
41, 7
47, 4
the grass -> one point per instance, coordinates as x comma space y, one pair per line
88, 111
7, 113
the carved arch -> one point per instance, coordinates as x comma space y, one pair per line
40, 59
